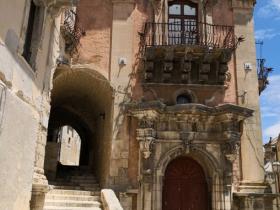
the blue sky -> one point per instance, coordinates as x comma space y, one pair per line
267, 28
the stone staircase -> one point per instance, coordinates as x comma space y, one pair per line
79, 191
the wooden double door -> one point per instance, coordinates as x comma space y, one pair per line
185, 186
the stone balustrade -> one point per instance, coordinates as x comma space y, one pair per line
110, 200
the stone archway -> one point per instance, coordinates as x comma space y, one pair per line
82, 99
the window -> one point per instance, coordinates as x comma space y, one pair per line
33, 35
183, 99
27, 50
182, 22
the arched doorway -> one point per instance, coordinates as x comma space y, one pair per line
185, 186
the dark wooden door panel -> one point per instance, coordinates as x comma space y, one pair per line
185, 186
174, 202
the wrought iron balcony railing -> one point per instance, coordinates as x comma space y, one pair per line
71, 31
190, 33
263, 73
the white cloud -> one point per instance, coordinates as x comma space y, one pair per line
272, 131
263, 34
270, 10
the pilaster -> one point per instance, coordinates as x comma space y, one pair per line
248, 96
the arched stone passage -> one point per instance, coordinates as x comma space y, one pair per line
82, 99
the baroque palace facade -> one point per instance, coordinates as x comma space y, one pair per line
163, 94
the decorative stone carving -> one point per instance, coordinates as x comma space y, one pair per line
146, 136
187, 66
230, 150
146, 146
170, 65
187, 138
146, 122
227, 78
148, 76
222, 72
149, 66
204, 72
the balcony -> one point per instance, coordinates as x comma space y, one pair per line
72, 32
189, 34
192, 53
263, 73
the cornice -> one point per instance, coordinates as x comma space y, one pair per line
243, 4
156, 108
123, 1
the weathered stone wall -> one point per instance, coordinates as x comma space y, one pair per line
51, 155
25, 105
96, 19
17, 149
247, 89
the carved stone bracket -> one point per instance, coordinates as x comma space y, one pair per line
146, 122
170, 65
146, 146
231, 150
146, 136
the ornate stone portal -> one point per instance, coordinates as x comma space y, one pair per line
211, 135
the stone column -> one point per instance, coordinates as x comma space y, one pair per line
248, 96
120, 78
40, 183
146, 134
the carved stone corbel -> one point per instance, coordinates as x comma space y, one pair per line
146, 122
146, 146
231, 150
146, 136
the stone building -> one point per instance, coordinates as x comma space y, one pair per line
271, 159
163, 94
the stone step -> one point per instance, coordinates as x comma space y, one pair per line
74, 192
90, 181
72, 203
71, 187
83, 177
72, 197
71, 208
74, 183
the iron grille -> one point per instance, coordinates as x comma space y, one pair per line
189, 33
263, 73
72, 31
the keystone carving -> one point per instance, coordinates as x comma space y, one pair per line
187, 138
